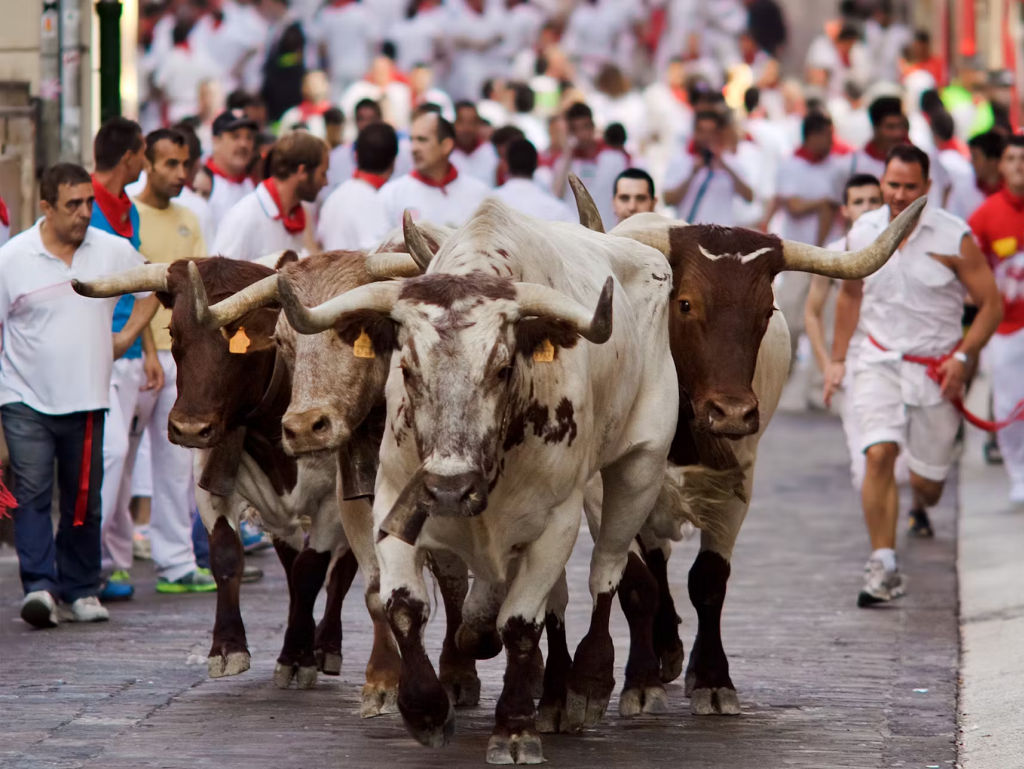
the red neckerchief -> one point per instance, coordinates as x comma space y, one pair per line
116, 208
341, 3
680, 93
5, 215
985, 189
476, 146
308, 109
954, 144
844, 57
749, 59
872, 151
184, 46
449, 177
692, 147
840, 147
216, 170
802, 152
295, 221
582, 154
374, 180
548, 158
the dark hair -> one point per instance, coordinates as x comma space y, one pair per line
238, 99
56, 175
195, 148
524, 97
883, 107
429, 108
923, 36
710, 114
522, 158
615, 135
294, 149
990, 144
635, 173
175, 137
180, 32
1015, 140
389, 50
367, 104
464, 104
848, 32
506, 135
931, 102
751, 99
908, 153
859, 180
116, 136
815, 123
579, 111
376, 148
334, 116
942, 125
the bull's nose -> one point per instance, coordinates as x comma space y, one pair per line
460, 494
306, 426
733, 416
193, 433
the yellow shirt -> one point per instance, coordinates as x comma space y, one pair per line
166, 236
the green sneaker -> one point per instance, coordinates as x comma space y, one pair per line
198, 581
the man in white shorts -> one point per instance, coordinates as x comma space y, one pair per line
910, 314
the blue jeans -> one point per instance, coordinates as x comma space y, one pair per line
68, 567
200, 541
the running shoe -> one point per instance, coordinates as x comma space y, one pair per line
197, 581
118, 587
920, 525
880, 585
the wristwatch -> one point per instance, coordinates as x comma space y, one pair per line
961, 356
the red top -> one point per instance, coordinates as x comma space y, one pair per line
117, 209
998, 224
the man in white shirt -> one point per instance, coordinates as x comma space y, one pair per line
970, 192
434, 190
909, 312
352, 217
234, 141
347, 35
272, 217
181, 72
472, 155
633, 193
888, 128
522, 193
704, 182
886, 40
54, 390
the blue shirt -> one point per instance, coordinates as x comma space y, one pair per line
124, 306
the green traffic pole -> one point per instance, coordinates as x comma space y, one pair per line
109, 13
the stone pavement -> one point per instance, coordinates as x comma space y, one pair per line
823, 684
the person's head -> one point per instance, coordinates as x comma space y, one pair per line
888, 124
921, 46
675, 74
119, 146
367, 111
943, 127
905, 178
748, 45
433, 139
615, 136
273, 10
847, 38
238, 99
751, 100
521, 157
708, 129
316, 88
882, 12
524, 99
234, 141
467, 125
167, 163
817, 134
300, 157
986, 152
376, 149
930, 102
421, 77
334, 126
633, 193
195, 150
66, 197
862, 193
579, 120
1011, 166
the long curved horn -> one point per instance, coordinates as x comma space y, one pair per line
388, 264
534, 299
376, 297
590, 217
145, 277
648, 228
853, 265
415, 242
252, 297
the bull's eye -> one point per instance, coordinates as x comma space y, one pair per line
505, 373
684, 305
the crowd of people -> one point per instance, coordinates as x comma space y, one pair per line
269, 125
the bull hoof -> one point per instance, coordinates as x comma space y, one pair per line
328, 663
672, 663
230, 664
651, 700
283, 675
520, 748
429, 730
378, 701
463, 688
551, 718
305, 677
478, 644
714, 702
585, 710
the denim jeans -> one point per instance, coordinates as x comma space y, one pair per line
68, 567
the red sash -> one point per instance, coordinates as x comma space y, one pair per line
82, 500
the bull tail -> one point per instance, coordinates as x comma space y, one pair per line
693, 497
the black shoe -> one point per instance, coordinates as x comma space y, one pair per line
993, 456
920, 526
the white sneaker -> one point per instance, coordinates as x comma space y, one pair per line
39, 609
880, 584
87, 609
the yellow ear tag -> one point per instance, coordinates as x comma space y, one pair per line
363, 346
239, 343
545, 352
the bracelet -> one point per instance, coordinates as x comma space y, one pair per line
961, 356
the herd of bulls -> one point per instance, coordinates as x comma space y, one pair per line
454, 400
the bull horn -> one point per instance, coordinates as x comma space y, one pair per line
534, 299
590, 217
648, 228
853, 265
415, 242
385, 265
252, 297
373, 297
145, 277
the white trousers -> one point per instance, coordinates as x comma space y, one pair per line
126, 377
170, 523
1006, 356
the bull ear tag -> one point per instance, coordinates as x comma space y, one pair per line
545, 352
363, 346
240, 342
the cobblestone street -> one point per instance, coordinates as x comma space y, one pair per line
823, 684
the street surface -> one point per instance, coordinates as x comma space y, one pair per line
823, 684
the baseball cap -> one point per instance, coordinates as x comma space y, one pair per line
231, 119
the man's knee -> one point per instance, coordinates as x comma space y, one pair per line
880, 457
927, 491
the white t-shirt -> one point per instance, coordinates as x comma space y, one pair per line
965, 197
179, 76
352, 218
800, 178
530, 198
252, 229
481, 163
451, 205
223, 197
199, 206
349, 35
599, 177
708, 200
57, 345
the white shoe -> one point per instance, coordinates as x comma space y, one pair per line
39, 609
87, 609
880, 585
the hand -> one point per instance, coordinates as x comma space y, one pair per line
834, 375
154, 373
122, 342
952, 375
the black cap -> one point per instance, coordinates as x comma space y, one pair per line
231, 119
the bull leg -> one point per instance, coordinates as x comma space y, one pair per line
667, 644
296, 659
638, 596
478, 636
327, 640
551, 716
457, 669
